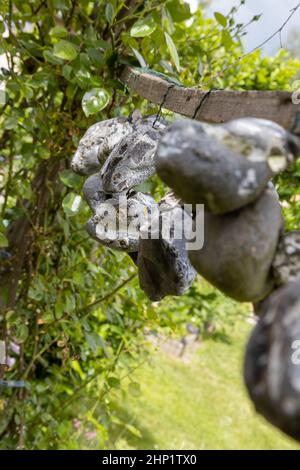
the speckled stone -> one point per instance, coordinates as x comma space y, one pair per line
239, 249
93, 191
132, 161
272, 362
225, 166
286, 265
97, 143
117, 221
164, 267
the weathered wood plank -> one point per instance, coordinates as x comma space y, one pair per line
218, 106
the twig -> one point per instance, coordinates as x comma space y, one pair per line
256, 48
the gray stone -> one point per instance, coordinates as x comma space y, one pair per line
239, 249
97, 143
262, 140
164, 267
225, 166
93, 191
286, 265
132, 161
117, 221
272, 363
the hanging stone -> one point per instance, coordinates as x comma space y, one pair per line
286, 265
224, 166
272, 363
93, 191
164, 267
98, 142
261, 140
117, 221
132, 161
239, 249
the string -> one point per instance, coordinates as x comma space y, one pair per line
164, 98
296, 123
202, 101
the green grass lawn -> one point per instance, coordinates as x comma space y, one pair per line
199, 405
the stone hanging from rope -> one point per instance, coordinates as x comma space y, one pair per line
246, 253
223, 166
118, 154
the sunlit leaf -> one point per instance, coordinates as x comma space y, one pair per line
71, 203
109, 12
173, 51
134, 389
95, 100
143, 27
65, 50
221, 19
70, 179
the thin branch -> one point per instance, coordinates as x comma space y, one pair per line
256, 48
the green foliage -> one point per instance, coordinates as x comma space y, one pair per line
73, 307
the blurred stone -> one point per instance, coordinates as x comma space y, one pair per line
164, 267
132, 161
272, 363
223, 166
286, 265
117, 221
262, 140
239, 249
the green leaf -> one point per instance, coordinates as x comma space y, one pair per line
134, 389
70, 179
62, 4
65, 50
3, 241
133, 430
221, 19
143, 27
20, 332
58, 32
114, 382
95, 100
227, 39
94, 341
139, 57
71, 204
173, 51
49, 57
109, 12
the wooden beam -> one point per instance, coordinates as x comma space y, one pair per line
218, 106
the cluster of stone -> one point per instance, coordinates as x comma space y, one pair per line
246, 253
117, 155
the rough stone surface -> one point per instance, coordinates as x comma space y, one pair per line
132, 161
239, 248
93, 191
272, 363
225, 166
117, 221
262, 140
164, 267
97, 143
286, 265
